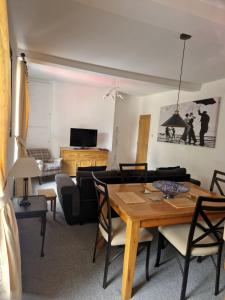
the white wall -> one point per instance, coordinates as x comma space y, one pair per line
80, 106
127, 112
40, 118
200, 162
57, 107
76, 105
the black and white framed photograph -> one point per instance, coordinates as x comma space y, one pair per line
201, 118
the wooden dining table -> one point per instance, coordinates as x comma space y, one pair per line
140, 206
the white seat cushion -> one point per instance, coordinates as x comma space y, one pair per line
177, 235
119, 233
214, 222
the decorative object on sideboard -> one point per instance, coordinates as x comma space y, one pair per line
25, 167
175, 120
170, 188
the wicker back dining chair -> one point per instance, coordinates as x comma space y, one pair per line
113, 230
203, 237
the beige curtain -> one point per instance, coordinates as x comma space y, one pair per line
24, 105
10, 270
23, 116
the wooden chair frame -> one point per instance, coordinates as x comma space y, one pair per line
216, 179
202, 207
105, 220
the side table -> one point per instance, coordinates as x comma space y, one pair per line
50, 196
37, 209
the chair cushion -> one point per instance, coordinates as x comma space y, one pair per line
48, 166
119, 233
177, 235
39, 153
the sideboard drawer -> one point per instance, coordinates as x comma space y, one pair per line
73, 158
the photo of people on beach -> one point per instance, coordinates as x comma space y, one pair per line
201, 118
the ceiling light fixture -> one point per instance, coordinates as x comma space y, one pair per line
175, 120
114, 93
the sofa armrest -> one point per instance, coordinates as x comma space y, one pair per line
72, 194
69, 195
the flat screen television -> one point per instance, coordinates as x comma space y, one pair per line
80, 137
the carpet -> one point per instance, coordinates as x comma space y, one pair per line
67, 272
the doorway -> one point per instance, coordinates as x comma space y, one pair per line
143, 138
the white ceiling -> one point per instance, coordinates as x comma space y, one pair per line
59, 74
137, 36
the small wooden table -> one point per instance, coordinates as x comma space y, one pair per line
50, 196
37, 209
148, 213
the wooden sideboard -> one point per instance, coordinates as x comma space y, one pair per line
73, 158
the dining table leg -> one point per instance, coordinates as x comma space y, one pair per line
131, 245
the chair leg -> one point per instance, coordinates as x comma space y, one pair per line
96, 241
159, 248
199, 259
147, 261
164, 244
218, 270
108, 248
185, 277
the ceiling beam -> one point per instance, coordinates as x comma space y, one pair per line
47, 59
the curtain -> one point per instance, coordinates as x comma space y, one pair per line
10, 265
23, 114
24, 105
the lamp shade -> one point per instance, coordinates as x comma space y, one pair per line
175, 121
25, 167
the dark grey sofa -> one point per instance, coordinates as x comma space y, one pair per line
78, 200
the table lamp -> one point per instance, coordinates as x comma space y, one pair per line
25, 167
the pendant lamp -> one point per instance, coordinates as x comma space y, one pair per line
175, 120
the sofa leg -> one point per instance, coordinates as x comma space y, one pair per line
40, 181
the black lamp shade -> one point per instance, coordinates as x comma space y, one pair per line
175, 121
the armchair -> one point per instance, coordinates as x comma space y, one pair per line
48, 165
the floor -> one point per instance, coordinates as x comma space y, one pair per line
67, 272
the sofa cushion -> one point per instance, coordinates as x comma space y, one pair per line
85, 182
99, 174
173, 172
92, 168
168, 168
